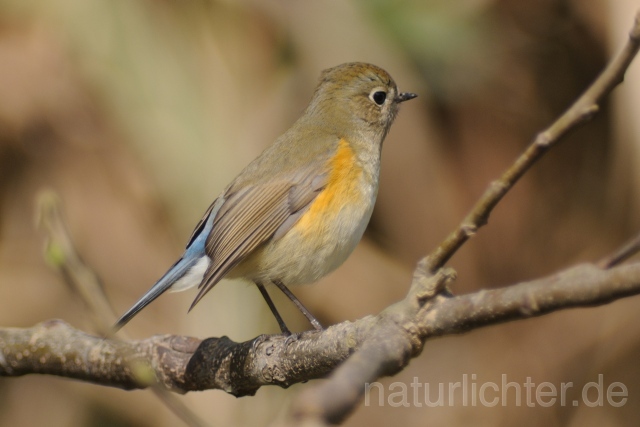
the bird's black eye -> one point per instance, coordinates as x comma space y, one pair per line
378, 97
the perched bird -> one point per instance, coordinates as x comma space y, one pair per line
297, 211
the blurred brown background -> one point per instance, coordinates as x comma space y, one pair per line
140, 112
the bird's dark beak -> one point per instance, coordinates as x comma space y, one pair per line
405, 96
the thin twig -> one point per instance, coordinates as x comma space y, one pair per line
62, 255
630, 248
582, 110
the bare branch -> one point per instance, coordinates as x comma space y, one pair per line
350, 353
55, 348
631, 248
402, 329
361, 351
61, 254
582, 110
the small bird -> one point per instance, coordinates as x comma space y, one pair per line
297, 211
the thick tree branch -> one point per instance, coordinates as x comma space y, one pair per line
55, 348
391, 338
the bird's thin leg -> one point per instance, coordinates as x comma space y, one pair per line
314, 322
267, 298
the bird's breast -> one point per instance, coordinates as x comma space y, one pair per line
346, 194
328, 231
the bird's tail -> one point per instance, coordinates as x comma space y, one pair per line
178, 270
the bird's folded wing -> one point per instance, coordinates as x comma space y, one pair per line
251, 216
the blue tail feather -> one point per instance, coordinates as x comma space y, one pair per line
193, 254
178, 270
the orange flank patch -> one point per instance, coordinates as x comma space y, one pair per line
342, 188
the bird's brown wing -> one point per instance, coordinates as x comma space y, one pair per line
252, 215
